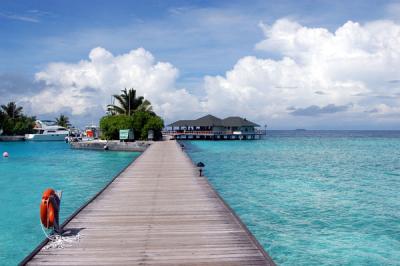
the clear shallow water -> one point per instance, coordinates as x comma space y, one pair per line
313, 198
34, 166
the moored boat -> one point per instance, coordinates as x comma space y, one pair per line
48, 131
91, 132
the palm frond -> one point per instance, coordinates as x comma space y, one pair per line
115, 109
129, 103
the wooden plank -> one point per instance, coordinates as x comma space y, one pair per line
158, 212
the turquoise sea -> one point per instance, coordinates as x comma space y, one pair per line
313, 197
34, 166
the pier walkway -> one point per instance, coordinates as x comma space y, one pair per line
157, 212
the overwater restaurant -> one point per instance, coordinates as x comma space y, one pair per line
214, 128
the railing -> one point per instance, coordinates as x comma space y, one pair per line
260, 131
195, 132
184, 132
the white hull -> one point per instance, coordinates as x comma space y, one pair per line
47, 137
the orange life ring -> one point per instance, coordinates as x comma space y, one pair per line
47, 210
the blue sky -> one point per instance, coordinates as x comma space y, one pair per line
198, 38
34, 33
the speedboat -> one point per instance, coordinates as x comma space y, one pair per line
48, 130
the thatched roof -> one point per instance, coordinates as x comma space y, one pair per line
236, 121
181, 123
210, 121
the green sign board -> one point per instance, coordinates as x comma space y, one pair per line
150, 134
126, 134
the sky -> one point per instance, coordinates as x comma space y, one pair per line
287, 64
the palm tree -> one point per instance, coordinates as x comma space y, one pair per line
128, 103
62, 121
11, 110
2, 118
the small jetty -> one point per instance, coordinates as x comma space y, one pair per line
158, 211
12, 138
111, 145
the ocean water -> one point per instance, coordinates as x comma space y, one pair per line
313, 197
34, 166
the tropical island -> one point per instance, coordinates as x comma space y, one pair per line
131, 112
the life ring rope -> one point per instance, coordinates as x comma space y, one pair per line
56, 240
44, 227
48, 236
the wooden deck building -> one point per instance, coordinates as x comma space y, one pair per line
213, 128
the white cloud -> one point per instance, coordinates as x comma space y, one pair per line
19, 17
83, 86
348, 75
350, 67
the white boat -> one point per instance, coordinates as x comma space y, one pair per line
48, 131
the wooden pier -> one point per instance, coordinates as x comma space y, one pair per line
158, 211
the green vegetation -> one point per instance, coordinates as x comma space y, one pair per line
144, 121
111, 124
131, 113
141, 122
63, 121
128, 103
14, 122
